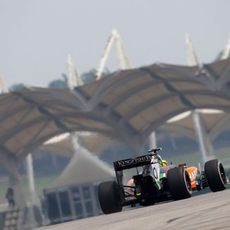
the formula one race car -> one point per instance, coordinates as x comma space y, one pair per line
147, 179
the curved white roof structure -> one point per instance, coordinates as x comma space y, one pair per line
93, 142
126, 105
214, 123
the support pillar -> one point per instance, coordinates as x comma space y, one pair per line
30, 176
206, 147
204, 141
11, 166
20, 200
35, 205
15, 183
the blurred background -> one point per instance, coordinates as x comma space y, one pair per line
43, 42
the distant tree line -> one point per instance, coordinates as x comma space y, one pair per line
86, 77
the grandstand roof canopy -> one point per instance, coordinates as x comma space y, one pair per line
127, 105
213, 122
93, 142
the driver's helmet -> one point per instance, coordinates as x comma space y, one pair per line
164, 163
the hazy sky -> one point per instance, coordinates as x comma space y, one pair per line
37, 35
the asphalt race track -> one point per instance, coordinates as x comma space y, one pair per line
207, 211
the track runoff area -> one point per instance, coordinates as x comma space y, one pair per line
204, 211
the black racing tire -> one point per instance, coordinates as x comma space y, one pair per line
179, 183
109, 197
215, 175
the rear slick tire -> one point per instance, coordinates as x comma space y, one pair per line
109, 197
179, 183
215, 175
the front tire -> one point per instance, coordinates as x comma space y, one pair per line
215, 175
179, 183
109, 197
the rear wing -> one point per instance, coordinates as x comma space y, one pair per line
134, 162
